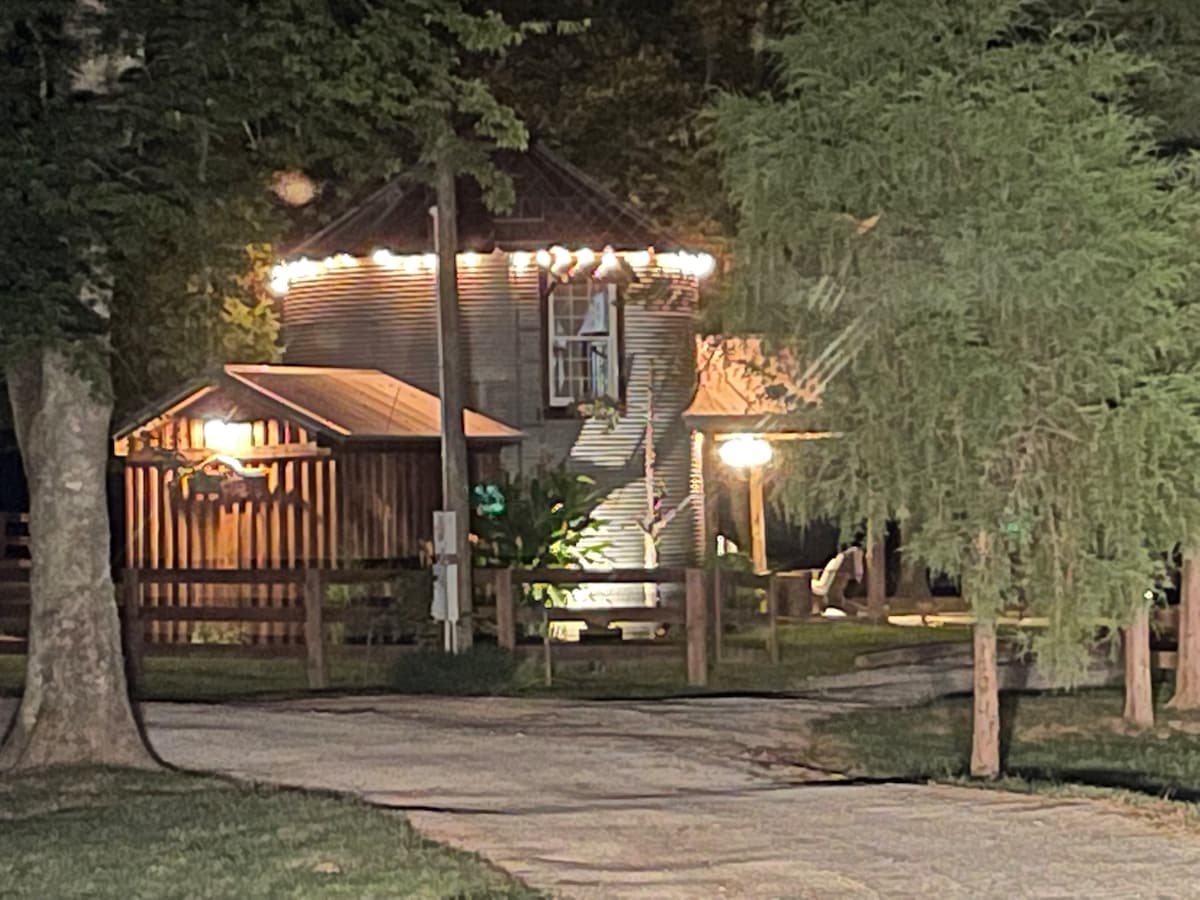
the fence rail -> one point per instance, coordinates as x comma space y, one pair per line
702, 616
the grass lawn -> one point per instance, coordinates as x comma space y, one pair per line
1077, 738
103, 833
806, 650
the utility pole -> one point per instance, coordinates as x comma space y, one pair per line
456, 485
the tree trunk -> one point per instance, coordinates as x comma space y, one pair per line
75, 709
913, 583
456, 480
985, 743
1187, 657
1139, 693
876, 571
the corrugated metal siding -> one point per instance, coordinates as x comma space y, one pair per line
368, 316
365, 317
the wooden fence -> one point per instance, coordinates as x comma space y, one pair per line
14, 581
702, 617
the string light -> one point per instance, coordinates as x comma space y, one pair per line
559, 260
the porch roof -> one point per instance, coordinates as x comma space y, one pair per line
739, 387
337, 403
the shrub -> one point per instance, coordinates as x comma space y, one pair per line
484, 670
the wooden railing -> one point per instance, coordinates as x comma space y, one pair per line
703, 615
693, 615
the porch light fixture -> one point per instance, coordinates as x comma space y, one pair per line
227, 437
745, 452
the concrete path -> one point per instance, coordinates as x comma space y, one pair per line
681, 799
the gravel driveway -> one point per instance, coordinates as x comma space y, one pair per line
680, 799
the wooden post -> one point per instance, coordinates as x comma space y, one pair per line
1139, 691
506, 626
547, 662
314, 630
876, 571
758, 520
135, 636
456, 478
718, 603
1187, 658
773, 587
985, 742
697, 629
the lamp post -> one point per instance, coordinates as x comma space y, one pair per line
751, 453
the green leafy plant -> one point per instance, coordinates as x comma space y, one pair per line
543, 520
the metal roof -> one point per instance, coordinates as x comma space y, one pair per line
338, 403
740, 385
556, 203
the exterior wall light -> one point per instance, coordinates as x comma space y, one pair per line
745, 452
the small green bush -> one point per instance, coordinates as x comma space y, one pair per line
482, 671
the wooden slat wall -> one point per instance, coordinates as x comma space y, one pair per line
292, 528
352, 507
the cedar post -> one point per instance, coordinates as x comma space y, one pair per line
506, 626
773, 587
1139, 691
314, 630
697, 629
758, 520
135, 636
547, 662
985, 742
876, 571
718, 601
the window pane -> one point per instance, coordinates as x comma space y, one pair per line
581, 369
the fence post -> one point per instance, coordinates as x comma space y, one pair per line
314, 630
773, 588
697, 629
548, 671
506, 626
718, 591
135, 636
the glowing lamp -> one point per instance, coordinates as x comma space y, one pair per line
520, 261
543, 258
585, 258
470, 259
227, 437
745, 452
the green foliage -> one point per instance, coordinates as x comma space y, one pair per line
154, 185
545, 522
484, 670
949, 210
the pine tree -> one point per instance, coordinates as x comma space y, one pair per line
950, 209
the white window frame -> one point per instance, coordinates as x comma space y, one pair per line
559, 401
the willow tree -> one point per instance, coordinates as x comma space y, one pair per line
949, 209
139, 142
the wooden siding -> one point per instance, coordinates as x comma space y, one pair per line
327, 507
385, 318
